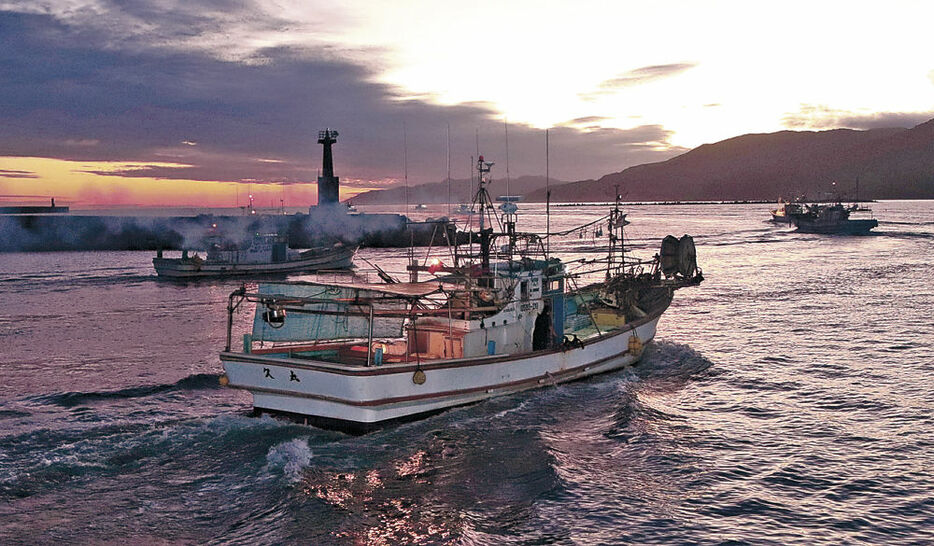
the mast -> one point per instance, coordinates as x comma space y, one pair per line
405, 166
616, 223
506, 129
485, 204
547, 202
449, 169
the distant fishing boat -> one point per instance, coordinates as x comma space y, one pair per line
502, 318
834, 219
266, 254
826, 218
785, 212
421, 206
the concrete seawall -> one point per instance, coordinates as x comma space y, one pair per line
37, 232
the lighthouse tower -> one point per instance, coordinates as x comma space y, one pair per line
328, 184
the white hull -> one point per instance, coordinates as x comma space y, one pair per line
177, 268
360, 398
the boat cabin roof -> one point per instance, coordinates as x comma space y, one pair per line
408, 289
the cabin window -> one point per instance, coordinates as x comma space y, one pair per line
524, 290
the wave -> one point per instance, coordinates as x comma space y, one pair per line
886, 222
68, 282
291, 458
72, 399
671, 360
904, 234
223, 445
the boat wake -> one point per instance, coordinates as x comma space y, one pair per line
667, 360
889, 222
59, 281
904, 234
71, 399
289, 459
42, 459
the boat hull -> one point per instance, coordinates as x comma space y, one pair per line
178, 268
358, 399
847, 227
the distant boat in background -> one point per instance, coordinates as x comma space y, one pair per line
785, 211
267, 254
834, 219
827, 218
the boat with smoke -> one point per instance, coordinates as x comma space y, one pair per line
505, 316
265, 254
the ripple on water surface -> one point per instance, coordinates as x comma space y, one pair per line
786, 400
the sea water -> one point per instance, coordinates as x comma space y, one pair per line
788, 399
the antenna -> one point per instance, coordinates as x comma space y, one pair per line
469, 196
449, 170
405, 166
547, 202
506, 129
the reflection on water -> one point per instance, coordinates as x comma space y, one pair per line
787, 400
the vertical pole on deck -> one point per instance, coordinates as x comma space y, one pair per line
229, 321
405, 166
547, 202
449, 171
369, 343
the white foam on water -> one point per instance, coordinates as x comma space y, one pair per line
291, 457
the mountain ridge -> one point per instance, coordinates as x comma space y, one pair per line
883, 163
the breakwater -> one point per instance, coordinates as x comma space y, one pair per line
38, 232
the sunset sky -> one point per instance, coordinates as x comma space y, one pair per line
196, 103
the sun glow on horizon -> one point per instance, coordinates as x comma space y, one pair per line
83, 184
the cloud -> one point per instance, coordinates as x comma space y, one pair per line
74, 88
820, 116
639, 76
646, 74
584, 121
4, 173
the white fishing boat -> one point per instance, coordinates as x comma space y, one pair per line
266, 254
355, 356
